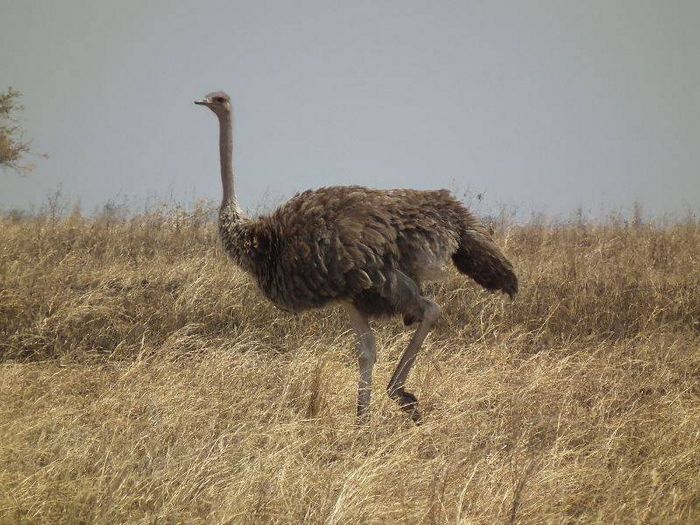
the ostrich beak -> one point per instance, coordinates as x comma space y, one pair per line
202, 102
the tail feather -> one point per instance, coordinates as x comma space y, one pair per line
480, 258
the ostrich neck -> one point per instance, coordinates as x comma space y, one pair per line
226, 157
233, 225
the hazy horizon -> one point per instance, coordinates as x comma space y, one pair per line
540, 107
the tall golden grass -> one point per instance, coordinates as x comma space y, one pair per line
144, 380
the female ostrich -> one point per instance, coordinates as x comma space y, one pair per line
366, 249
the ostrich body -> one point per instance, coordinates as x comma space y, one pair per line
367, 249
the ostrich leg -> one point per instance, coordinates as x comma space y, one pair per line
366, 356
406, 400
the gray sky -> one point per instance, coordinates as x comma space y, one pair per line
543, 106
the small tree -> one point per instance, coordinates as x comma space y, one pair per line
13, 147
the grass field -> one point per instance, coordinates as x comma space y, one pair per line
144, 380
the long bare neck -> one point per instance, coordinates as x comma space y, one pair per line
226, 158
233, 225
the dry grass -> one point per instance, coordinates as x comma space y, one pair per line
143, 380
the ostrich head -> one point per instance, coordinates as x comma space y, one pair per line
218, 101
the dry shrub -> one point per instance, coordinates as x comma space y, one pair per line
143, 380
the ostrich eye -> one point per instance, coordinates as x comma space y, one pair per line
220, 99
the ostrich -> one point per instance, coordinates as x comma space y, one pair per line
366, 249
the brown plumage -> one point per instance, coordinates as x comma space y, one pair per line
367, 249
